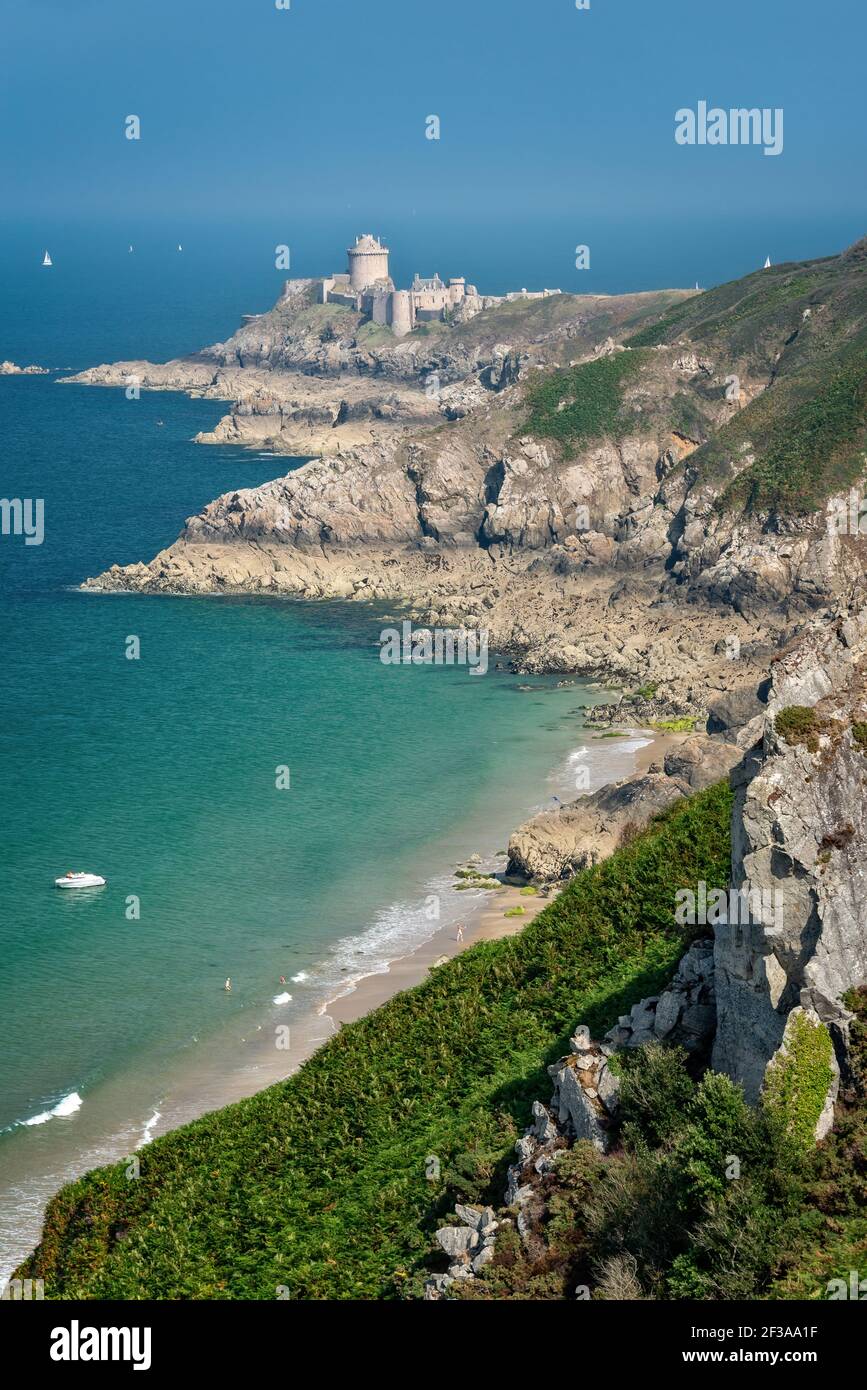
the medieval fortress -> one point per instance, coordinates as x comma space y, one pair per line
368, 288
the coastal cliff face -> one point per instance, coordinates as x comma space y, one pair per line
646, 488
799, 838
792, 938
652, 497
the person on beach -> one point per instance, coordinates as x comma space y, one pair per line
228, 985
460, 933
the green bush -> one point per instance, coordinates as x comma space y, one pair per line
859, 734
799, 724
655, 1091
798, 1078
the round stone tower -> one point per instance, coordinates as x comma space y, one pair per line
368, 262
401, 313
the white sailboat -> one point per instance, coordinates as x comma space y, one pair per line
130, 248
767, 264
180, 248
46, 259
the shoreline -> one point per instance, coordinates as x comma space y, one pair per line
483, 919
251, 1064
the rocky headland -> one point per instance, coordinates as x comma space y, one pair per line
653, 490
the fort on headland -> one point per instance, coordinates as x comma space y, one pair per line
367, 287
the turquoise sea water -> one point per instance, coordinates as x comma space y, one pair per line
161, 773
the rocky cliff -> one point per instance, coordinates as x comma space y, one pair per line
647, 489
799, 839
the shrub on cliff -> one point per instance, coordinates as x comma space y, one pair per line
799, 1077
799, 724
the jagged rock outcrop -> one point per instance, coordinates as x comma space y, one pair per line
685, 1012
8, 368
583, 1107
586, 1093
469, 1245
557, 844
799, 851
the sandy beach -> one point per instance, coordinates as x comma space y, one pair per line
254, 1062
486, 919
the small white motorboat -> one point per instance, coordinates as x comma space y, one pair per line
80, 880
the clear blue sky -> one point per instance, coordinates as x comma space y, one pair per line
319, 112
556, 128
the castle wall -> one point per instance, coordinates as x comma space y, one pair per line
379, 308
402, 313
346, 297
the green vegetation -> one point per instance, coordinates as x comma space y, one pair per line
660, 332
475, 878
375, 335
646, 692
810, 437
705, 1197
514, 912
585, 402
799, 724
767, 297
683, 725
688, 1206
798, 1079
530, 891
688, 419
320, 1184
859, 734
801, 332
752, 302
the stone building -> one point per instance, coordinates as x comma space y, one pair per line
367, 287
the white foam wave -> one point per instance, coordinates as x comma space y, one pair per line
147, 1132
67, 1106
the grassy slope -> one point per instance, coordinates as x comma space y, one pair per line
585, 402
318, 1184
803, 328
589, 319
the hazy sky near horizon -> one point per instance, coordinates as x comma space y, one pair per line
545, 110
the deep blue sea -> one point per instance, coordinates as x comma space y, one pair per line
160, 773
